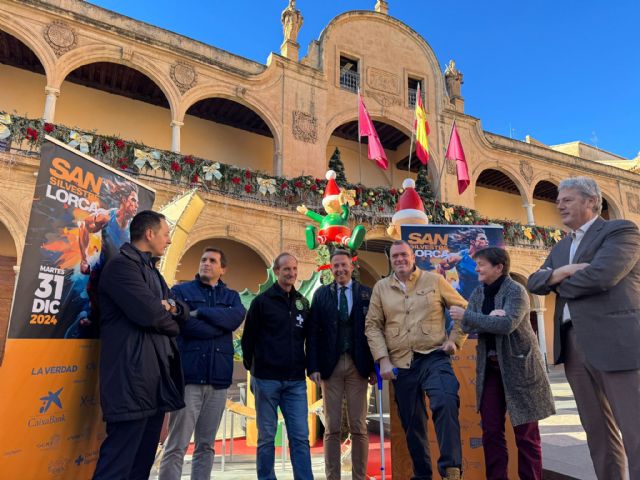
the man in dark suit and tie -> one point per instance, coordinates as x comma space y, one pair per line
340, 361
595, 273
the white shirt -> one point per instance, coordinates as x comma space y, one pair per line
578, 235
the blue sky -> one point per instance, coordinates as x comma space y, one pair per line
558, 70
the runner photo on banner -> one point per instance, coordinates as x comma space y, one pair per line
80, 216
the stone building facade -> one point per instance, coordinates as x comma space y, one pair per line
75, 64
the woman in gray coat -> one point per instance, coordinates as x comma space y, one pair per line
510, 373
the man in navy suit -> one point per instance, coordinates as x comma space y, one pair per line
595, 274
339, 360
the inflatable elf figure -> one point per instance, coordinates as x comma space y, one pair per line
334, 226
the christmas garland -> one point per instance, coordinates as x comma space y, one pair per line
372, 205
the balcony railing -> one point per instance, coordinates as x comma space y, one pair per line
413, 93
349, 80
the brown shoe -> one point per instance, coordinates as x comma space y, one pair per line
453, 473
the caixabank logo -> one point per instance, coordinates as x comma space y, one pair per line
50, 410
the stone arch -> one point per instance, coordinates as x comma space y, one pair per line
29, 37
504, 169
108, 53
243, 267
16, 225
613, 210
500, 193
252, 102
205, 231
399, 123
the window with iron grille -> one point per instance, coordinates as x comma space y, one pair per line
349, 74
412, 91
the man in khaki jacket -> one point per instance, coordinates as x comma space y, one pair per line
405, 328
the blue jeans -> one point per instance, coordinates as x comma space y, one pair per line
291, 397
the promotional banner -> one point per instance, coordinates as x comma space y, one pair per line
448, 251
49, 404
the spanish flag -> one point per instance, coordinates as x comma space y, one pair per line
421, 126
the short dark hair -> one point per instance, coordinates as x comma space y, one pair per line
338, 252
396, 243
223, 257
143, 221
495, 256
276, 262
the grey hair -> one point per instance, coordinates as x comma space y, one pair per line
587, 187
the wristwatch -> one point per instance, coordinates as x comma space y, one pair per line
172, 302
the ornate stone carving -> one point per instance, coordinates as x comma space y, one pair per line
184, 76
384, 99
241, 91
305, 127
126, 53
61, 37
526, 170
451, 167
384, 81
633, 202
300, 251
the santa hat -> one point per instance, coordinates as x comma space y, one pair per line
409, 204
331, 191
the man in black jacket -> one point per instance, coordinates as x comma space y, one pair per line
206, 348
340, 361
273, 350
140, 371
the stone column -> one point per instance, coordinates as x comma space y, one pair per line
542, 339
175, 135
50, 103
529, 208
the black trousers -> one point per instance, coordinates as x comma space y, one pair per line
129, 450
431, 374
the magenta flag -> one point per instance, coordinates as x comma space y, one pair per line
455, 152
366, 129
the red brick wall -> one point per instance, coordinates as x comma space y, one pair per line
7, 279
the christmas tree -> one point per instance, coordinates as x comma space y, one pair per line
337, 166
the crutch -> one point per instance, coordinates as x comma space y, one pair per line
379, 377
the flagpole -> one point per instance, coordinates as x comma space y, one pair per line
359, 139
413, 130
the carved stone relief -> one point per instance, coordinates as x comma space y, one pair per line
384, 81
451, 167
526, 170
184, 76
633, 202
61, 37
305, 127
384, 99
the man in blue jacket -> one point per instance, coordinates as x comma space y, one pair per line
340, 361
206, 347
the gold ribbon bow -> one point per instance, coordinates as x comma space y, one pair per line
557, 236
448, 213
212, 171
82, 141
142, 158
5, 131
347, 197
527, 232
267, 185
